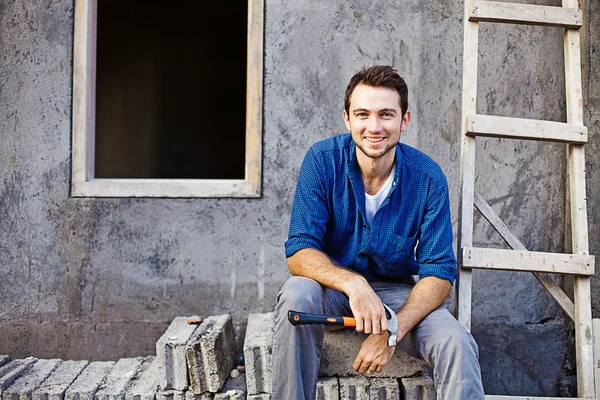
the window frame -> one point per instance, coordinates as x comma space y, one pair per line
83, 182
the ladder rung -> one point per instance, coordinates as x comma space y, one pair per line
495, 397
527, 129
532, 261
527, 14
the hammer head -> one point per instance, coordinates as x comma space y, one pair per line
392, 326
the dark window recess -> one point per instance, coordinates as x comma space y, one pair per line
171, 89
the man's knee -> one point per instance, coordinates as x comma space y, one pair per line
302, 293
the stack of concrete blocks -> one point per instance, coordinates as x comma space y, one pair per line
401, 379
195, 361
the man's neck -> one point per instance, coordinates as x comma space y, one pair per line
375, 171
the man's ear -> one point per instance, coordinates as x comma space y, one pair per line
405, 121
346, 120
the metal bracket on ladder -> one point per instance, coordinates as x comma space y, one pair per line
579, 264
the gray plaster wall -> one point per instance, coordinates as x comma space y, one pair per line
101, 278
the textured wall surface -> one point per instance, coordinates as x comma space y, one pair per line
102, 278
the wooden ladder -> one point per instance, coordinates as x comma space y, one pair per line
579, 264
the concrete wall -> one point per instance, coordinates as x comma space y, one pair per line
102, 278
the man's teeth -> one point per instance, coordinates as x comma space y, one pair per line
374, 140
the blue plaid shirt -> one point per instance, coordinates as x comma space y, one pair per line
411, 232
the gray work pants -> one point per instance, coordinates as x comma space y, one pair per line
439, 339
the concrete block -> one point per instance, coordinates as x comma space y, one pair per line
13, 370
189, 395
258, 345
418, 388
119, 377
354, 388
87, 383
328, 389
145, 384
234, 389
341, 347
170, 351
262, 396
210, 354
384, 389
22, 387
55, 386
170, 395
4, 359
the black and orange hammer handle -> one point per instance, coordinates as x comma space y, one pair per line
302, 318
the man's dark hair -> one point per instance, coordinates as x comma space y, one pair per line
377, 76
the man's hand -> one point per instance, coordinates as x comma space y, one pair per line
374, 354
366, 307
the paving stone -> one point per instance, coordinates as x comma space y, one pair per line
4, 359
258, 345
87, 383
354, 388
328, 389
210, 354
13, 370
145, 384
418, 388
54, 387
384, 389
119, 377
22, 387
234, 389
170, 351
341, 347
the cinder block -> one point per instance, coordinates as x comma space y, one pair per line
4, 359
87, 383
13, 370
354, 388
119, 377
258, 345
210, 354
341, 347
328, 389
145, 384
384, 389
55, 386
418, 388
170, 351
22, 387
234, 389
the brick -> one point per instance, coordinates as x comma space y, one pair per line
13, 370
145, 384
55, 386
87, 383
258, 345
22, 387
4, 359
170, 351
210, 354
341, 347
119, 377
384, 389
418, 388
354, 388
234, 389
328, 389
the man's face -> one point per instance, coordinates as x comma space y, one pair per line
375, 120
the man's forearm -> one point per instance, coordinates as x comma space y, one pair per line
427, 295
317, 265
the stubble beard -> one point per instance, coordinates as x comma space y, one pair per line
372, 154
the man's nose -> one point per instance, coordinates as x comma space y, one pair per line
374, 124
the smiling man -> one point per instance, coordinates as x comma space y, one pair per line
369, 213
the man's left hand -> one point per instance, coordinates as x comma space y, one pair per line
374, 354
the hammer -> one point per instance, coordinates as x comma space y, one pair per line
302, 318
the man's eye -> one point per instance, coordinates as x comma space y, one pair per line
388, 115
360, 115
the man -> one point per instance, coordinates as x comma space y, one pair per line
368, 214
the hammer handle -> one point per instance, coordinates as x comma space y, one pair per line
302, 318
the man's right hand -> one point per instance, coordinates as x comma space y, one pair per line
366, 307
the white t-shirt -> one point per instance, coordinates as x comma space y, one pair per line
373, 202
